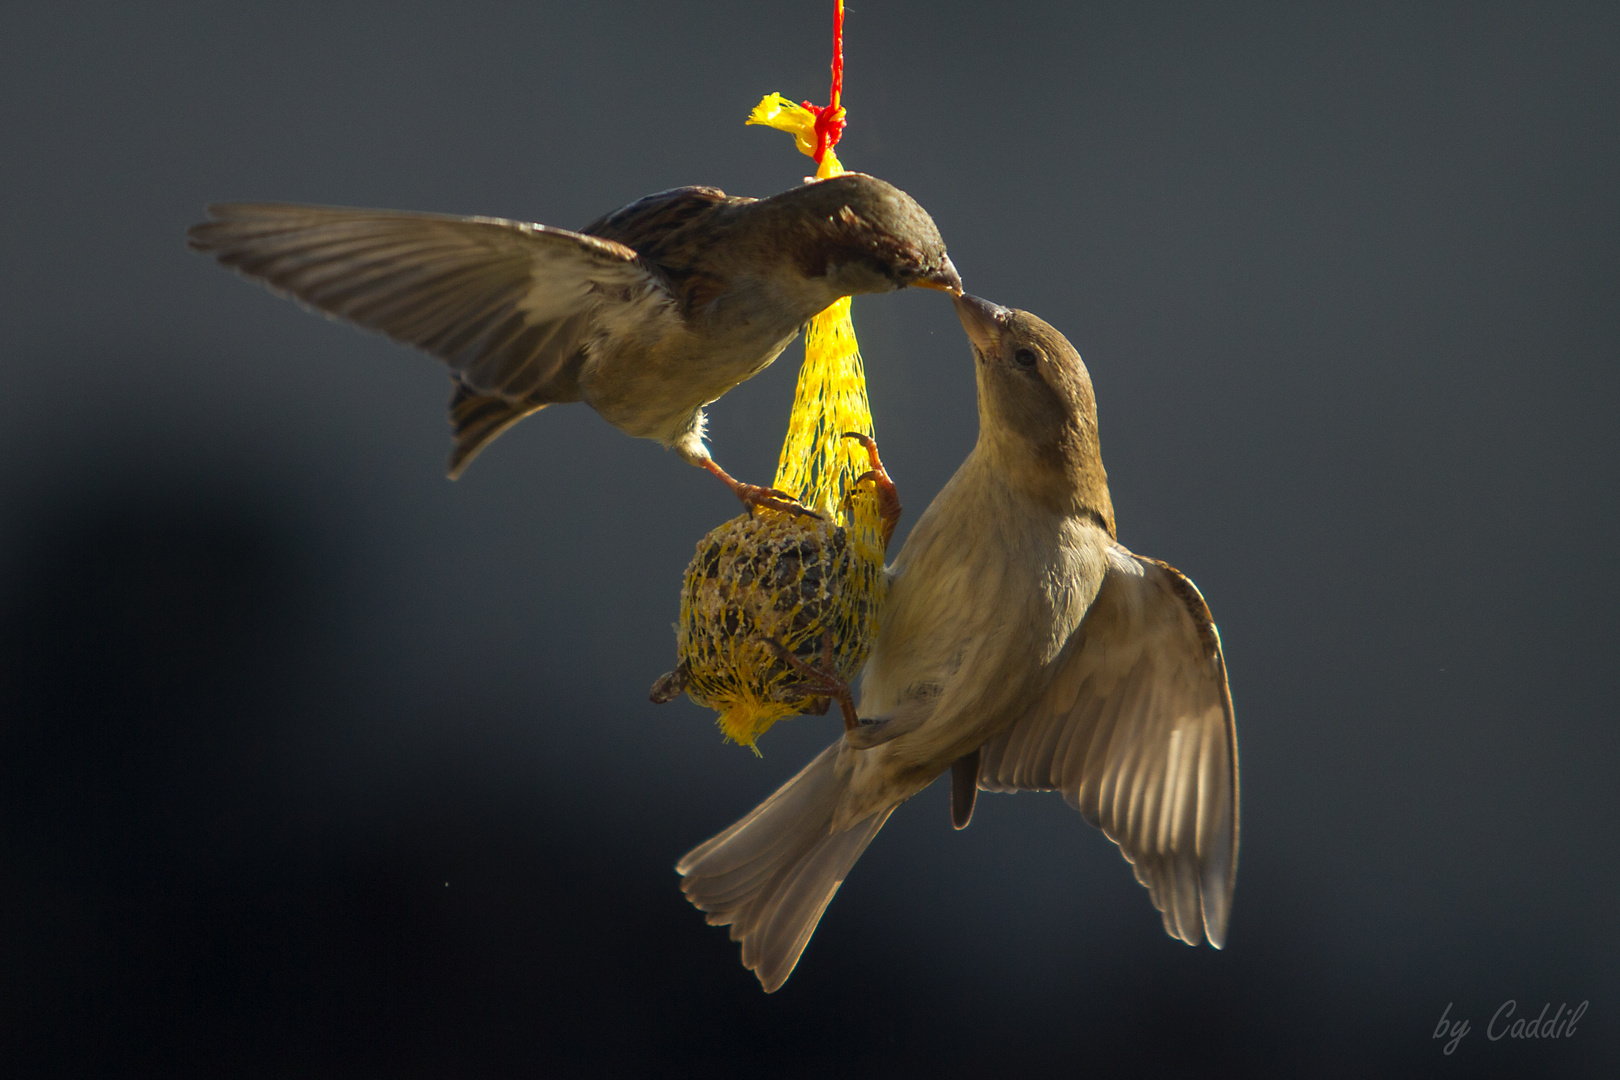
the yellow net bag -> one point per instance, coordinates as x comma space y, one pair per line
812, 585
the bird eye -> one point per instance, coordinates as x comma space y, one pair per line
1024, 357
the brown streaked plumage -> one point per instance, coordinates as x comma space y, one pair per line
1021, 648
647, 314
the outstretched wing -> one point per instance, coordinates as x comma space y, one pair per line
1136, 731
508, 305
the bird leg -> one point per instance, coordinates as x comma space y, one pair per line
752, 495
818, 706
823, 684
888, 495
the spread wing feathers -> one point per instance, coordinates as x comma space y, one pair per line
508, 305
772, 874
1136, 731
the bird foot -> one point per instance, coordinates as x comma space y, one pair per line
822, 683
752, 495
888, 495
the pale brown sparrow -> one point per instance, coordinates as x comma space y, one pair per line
1022, 648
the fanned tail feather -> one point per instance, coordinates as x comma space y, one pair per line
772, 874
475, 419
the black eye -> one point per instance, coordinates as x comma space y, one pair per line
1024, 357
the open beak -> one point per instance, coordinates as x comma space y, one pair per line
945, 279
983, 322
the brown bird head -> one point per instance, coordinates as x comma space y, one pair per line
864, 235
1037, 411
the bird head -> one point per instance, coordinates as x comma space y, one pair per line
864, 235
1037, 411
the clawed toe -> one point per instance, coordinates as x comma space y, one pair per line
888, 495
752, 495
822, 684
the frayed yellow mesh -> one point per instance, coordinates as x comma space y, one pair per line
778, 112
814, 586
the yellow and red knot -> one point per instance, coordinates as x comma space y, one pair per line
816, 129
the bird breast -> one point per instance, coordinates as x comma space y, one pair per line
651, 376
653, 385
986, 592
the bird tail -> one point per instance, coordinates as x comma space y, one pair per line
772, 874
475, 419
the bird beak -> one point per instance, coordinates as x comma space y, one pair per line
945, 279
983, 322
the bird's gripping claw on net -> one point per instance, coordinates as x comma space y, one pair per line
779, 608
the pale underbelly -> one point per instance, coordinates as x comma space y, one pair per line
658, 394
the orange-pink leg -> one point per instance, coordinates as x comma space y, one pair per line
824, 683
887, 494
752, 495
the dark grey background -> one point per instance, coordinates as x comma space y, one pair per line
312, 763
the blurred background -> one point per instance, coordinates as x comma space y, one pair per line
314, 763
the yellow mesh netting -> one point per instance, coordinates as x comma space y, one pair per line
801, 582
814, 586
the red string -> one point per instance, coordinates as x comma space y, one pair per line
830, 120
838, 54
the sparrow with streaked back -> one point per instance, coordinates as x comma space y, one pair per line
1021, 648
647, 314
